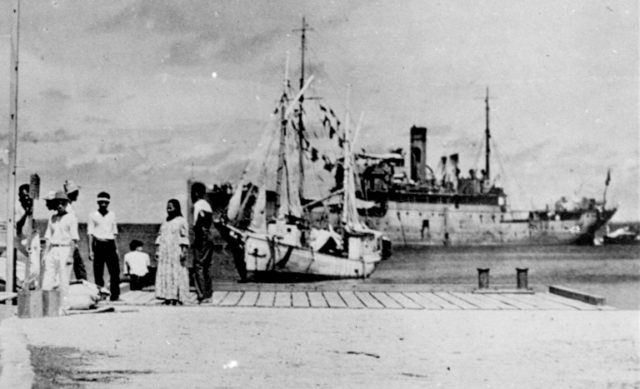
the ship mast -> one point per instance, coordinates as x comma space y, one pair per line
13, 140
303, 31
283, 134
346, 164
487, 134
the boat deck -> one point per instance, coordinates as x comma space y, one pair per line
374, 298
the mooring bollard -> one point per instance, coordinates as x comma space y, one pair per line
483, 278
522, 278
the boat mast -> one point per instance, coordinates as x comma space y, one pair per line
346, 164
300, 113
13, 141
283, 134
487, 134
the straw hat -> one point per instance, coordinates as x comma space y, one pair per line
60, 195
50, 195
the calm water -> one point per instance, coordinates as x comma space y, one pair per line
609, 271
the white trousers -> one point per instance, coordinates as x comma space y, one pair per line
58, 264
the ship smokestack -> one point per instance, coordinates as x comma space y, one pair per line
418, 154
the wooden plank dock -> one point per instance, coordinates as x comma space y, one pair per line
379, 298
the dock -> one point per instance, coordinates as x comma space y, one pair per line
381, 296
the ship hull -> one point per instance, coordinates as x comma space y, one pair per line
261, 255
426, 224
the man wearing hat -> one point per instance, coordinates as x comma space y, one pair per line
61, 239
102, 231
73, 191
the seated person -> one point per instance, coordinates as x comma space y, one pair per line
136, 264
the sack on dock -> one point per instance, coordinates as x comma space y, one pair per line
83, 295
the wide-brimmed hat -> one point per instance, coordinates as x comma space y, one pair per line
50, 195
70, 186
60, 195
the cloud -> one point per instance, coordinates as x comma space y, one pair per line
250, 45
159, 16
54, 94
60, 135
94, 92
184, 53
96, 120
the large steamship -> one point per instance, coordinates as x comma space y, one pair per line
428, 207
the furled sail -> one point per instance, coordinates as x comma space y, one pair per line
259, 212
289, 194
234, 203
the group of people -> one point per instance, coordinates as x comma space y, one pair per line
62, 255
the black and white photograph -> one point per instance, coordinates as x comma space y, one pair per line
326, 194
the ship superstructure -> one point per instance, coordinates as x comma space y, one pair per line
442, 207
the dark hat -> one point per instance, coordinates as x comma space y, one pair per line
104, 196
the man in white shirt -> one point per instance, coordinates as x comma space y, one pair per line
73, 191
136, 263
102, 231
202, 243
61, 239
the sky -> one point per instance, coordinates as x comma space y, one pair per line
135, 96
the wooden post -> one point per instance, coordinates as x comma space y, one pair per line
483, 278
13, 140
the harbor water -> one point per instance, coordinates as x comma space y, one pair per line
612, 271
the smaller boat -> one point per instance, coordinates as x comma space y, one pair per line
270, 224
623, 235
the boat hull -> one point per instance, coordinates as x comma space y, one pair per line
261, 254
425, 224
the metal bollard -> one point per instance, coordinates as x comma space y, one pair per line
483, 278
522, 278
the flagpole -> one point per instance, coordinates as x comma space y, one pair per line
13, 140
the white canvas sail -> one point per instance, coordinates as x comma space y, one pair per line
350, 217
234, 203
289, 194
259, 212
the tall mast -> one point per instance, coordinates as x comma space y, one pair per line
300, 113
13, 141
487, 134
283, 134
347, 175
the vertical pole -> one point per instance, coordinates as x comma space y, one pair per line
300, 119
283, 134
346, 179
487, 163
13, 140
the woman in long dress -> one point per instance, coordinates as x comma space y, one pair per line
172, 279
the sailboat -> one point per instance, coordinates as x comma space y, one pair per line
281, 235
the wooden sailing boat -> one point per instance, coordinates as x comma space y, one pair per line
287, 241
